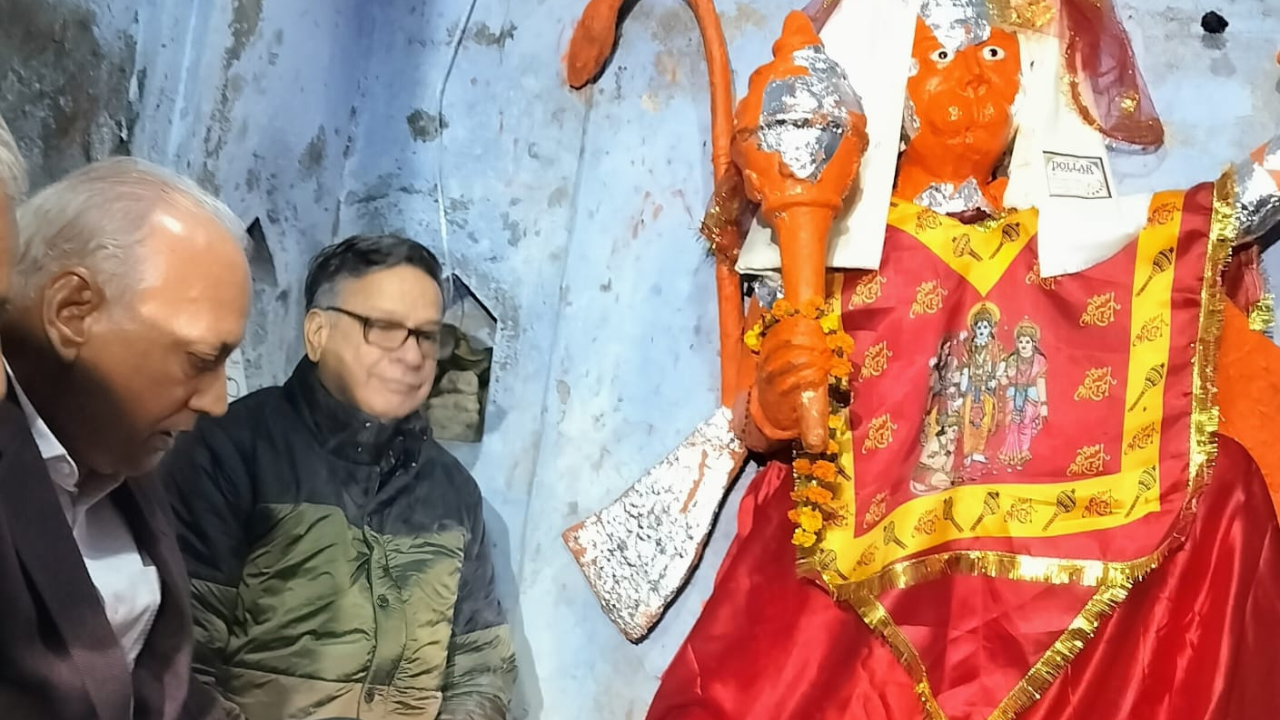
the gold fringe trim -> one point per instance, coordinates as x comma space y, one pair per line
1113, 580
877, 618
1223, 230
983, 563
1062, 652
1262, 316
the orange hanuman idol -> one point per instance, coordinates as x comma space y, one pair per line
1022, 496
1013, 488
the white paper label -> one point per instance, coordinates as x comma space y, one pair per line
1076, 176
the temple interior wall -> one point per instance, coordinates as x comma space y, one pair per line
571, 216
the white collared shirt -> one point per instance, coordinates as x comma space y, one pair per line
128, 584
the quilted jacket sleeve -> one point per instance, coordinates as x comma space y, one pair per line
481, 668
209, 491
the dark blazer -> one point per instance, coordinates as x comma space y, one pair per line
59, 658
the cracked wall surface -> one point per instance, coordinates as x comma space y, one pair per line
67, 81
255, 99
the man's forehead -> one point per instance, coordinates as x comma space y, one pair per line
194, 280
402, 293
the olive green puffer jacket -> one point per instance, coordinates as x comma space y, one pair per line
339, 565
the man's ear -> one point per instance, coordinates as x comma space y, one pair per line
72, 301
315, 331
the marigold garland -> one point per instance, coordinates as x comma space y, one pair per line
816, 474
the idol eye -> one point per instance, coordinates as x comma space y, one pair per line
991, 52
941, 56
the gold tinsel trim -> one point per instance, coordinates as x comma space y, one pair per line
1062, 652
1262, 316
1114, 580
877, 618
1223, 230
981, 563
1023, 14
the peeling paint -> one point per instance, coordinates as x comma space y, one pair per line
514, 232
484, 35
425, 126
246, 16
314, 154
65, 84
558, 197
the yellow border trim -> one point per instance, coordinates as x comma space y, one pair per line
1083, 502
1114, 580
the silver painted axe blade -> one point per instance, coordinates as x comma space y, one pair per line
638, 552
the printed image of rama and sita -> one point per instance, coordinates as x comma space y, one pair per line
1027, 409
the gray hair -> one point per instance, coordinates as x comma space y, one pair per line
96, 218
13, 171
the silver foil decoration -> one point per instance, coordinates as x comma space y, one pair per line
957, 23
910, 121
947, 199
766, 290
1257, 193
804, 118
638, 552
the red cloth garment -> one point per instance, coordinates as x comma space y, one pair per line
769, 645
1195, 641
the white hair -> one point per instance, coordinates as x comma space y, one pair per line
96, 218
13, 171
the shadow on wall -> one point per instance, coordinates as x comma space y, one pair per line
527, 702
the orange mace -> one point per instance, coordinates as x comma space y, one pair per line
799, 164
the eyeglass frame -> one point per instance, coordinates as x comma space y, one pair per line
426, 341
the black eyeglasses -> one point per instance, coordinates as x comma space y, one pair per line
390, 335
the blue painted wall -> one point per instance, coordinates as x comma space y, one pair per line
572, 215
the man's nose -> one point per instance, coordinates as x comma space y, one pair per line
211, 398
411, 353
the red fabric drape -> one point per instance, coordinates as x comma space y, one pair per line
1111, 91
1195, 641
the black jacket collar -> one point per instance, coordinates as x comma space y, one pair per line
345, 431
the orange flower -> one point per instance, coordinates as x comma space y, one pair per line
824, 470
782, 308
841, 343
803, 538
812, 307
817, 495
802, 467
833, 447
809, 519
840, 367
794, 516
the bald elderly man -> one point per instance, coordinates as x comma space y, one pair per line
129, 289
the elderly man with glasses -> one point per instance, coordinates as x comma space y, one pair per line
337, 552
